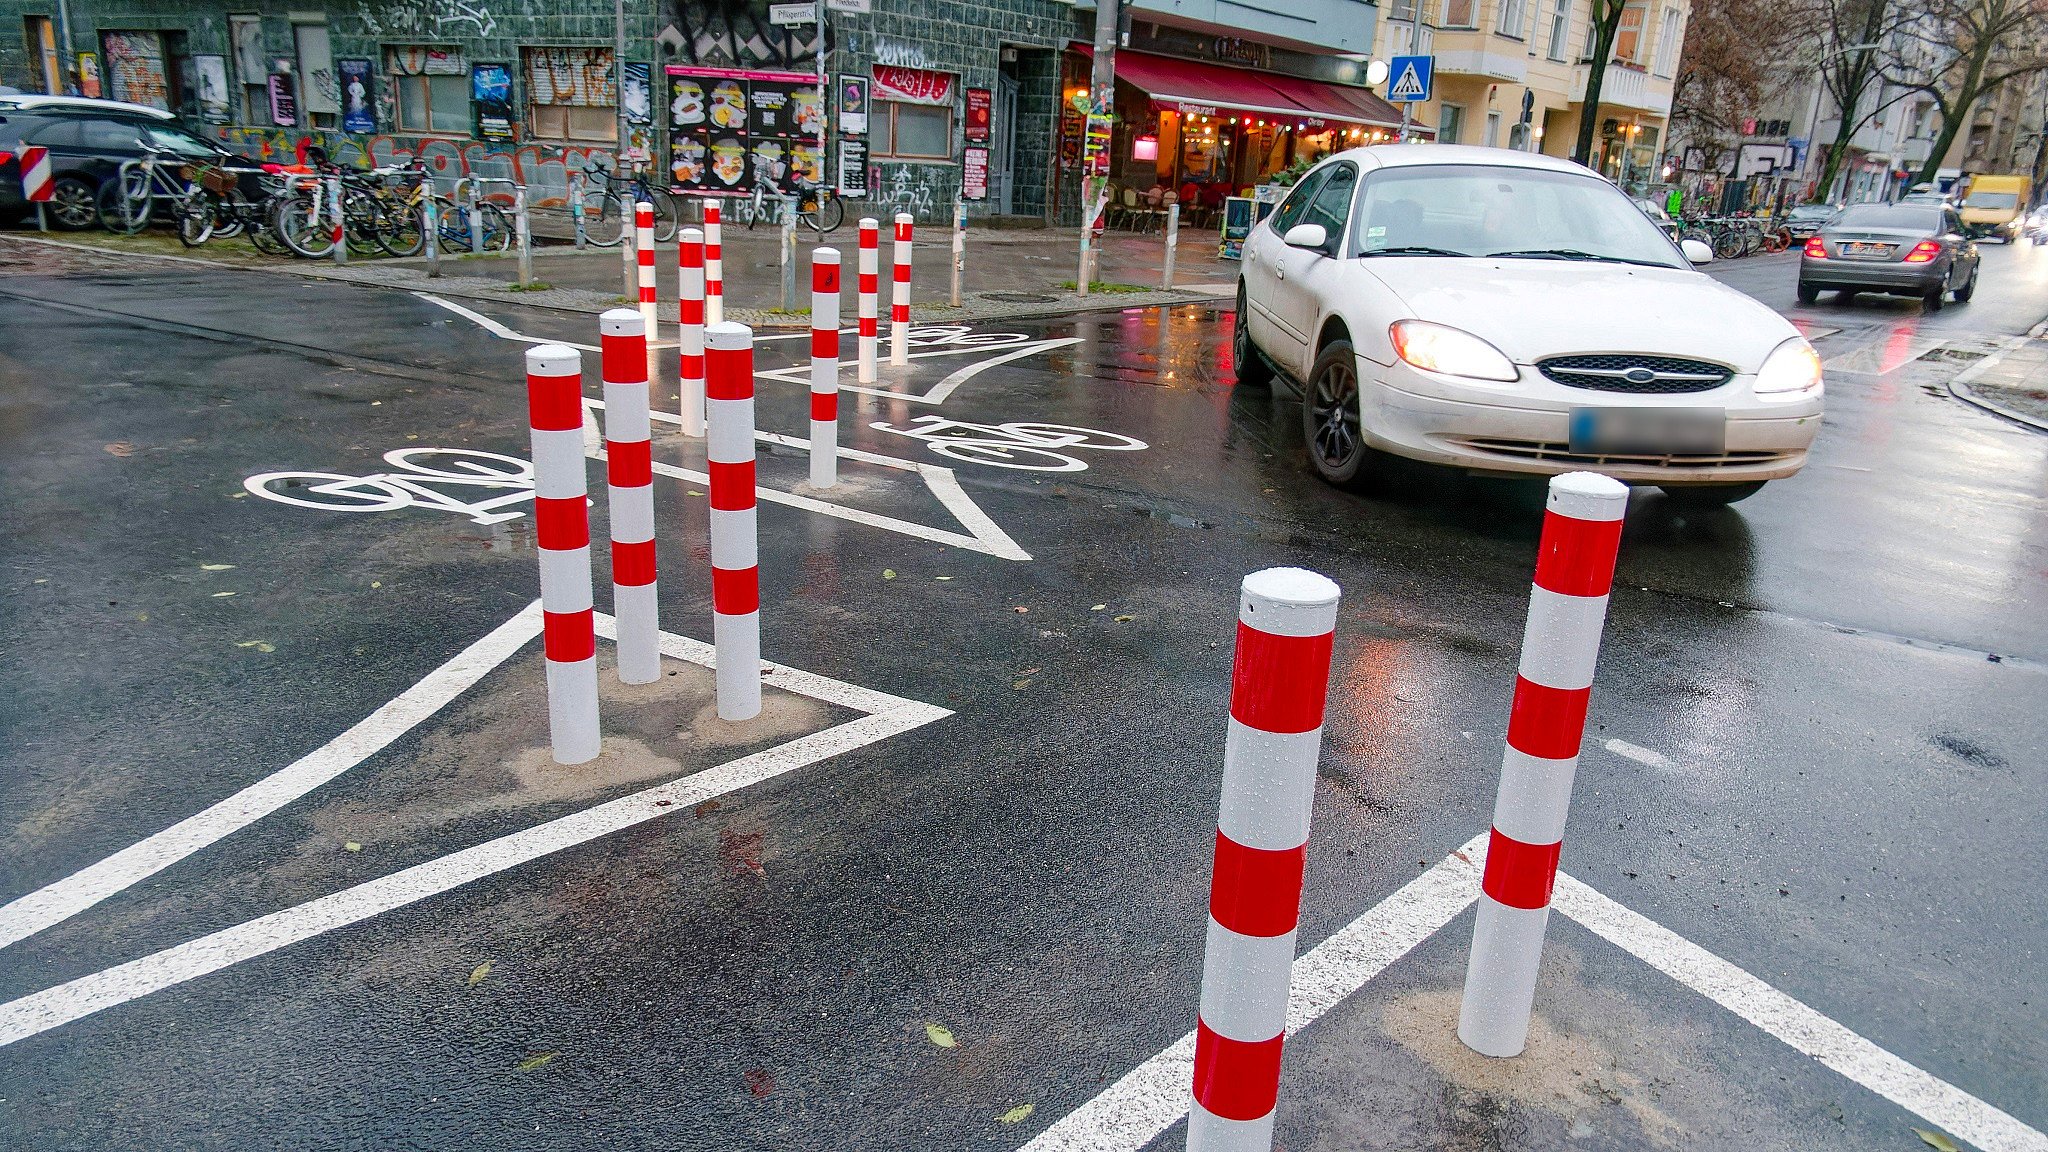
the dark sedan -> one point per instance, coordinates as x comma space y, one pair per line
87, 145
1807, 219
1899, 249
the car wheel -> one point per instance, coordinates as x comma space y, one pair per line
1963, 294
1330, 420
1251, 367
1711, 495
1932, 301
1808, 293
74, 204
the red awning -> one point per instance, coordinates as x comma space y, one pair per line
1335, 101
1208, 89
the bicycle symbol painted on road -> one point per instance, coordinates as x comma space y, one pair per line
413, 483
1022, 444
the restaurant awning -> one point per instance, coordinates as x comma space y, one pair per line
1198, 88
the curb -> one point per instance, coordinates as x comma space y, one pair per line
1961, 390
393, 274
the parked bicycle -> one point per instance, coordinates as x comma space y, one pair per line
608, 201
816, 207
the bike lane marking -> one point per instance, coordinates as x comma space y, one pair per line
54, 903
887, 716
1152, 1097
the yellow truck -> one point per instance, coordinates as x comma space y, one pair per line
1995, 205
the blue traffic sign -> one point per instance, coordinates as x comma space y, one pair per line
1410, 78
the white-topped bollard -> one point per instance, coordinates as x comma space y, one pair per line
869, 302
735, 535
899, 302
714, 265
629, 462
824, 367
561, 520
690, 331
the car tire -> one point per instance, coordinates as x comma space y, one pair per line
1331, 423
1711, 495
1962, 295
1847, 295
1245, 358
1808, 294
1932, 301
74, 204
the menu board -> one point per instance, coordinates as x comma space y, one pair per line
730, 130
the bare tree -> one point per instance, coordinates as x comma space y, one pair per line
1731, 65
1606, 16
1959, 51
1850, 66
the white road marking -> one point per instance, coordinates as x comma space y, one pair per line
1132, 1112
1883, 354
495, 328
1805, 1030
892, 715
1642, 755
54, 903
801, 374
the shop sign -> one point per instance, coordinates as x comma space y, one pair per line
980, 107
858, 7
490, 90
1187, 109
1232, 50
730, 130
853, 105
358, 98
284, 101
974, 174
913, 85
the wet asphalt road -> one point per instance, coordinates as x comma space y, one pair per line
1843, 678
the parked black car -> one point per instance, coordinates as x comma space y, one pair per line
1902, 249
1807, 219
87, 140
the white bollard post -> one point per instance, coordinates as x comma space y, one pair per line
824, 367
690, 330
340, 227
476, 221
1172, 244
959, 248
869, 301
1546, 722
643, 255
899, 302
525, 224
430, 225
714, 266
630, 469
786, 255
735, 534
561, 519
576, 209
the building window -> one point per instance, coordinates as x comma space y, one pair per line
571, 95
1628, 36
319, 90
41, 35
1560, 27
1512, 15
1670, 33
1493, 129
1450, 118
911, 131
1461, 13
429, 89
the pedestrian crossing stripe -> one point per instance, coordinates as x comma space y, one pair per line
1407, 86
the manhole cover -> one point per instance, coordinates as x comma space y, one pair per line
1019, 297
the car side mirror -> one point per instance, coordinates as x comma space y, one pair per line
1696, 251
1311, 236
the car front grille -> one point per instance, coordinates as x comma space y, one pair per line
1554, 452
1661, 375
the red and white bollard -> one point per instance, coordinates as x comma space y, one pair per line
899, 302
735, 536
690, 332
714, 266
824, 367
870, 297
630, 468
1567, 610
561, 517
643, 252
1286, 619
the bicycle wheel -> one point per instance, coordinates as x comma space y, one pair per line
1072, 437
667, 217
259, 221
497, 228
196, 218
404, 230
363, 221
124, 202
606, 219
337, 493
1018, 456
296, 221
463, 464
1727, 244
826, 215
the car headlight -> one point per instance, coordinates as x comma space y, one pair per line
1792, 367
1438, 348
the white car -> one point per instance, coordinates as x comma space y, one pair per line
1504, 312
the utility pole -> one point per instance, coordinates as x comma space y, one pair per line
66, 58
825, 105
1095, 148
630, 269
1414, 46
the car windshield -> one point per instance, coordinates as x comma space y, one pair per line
1992, 200
1907, 219
1521, 213
176, 141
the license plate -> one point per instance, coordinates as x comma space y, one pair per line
1649, 431
1862, 251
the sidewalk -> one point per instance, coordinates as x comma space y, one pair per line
2014, 383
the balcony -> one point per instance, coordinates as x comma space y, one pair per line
1625, 86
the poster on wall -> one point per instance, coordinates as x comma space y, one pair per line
980, 107
974, 174
639, 93
1237, 227
853, 168
853, 105
284, 101
89, 75
490, 89
358, 97
135, 63
210, 77
730, 130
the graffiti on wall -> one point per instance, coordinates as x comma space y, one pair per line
737, 34
447, 18
543, 169
914, 188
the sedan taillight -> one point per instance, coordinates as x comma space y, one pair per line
1923, 252
1815, 248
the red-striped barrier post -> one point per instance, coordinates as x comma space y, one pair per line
334, 221
1286, 619
561, 517
36, 185
643, 253
1567, 610
690, 332
824, 367
870, 297
735, 538
714, 266
899, 301
630, 470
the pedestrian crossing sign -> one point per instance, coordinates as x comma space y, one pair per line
1412, 77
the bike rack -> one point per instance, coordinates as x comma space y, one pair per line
522, 227
325, 188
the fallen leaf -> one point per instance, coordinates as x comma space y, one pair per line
1020, 610
1098, 607
218, 595
1936, 1140
1021, 685
942, 577
1016, 1114
259, 645
477, 974
1125, 619
412, 436
351, 846
1029, 672
691, 492
120, 448
376, 583
706, 807
759, 1081
538, 1060
940, 1035
216, 567
888, 573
